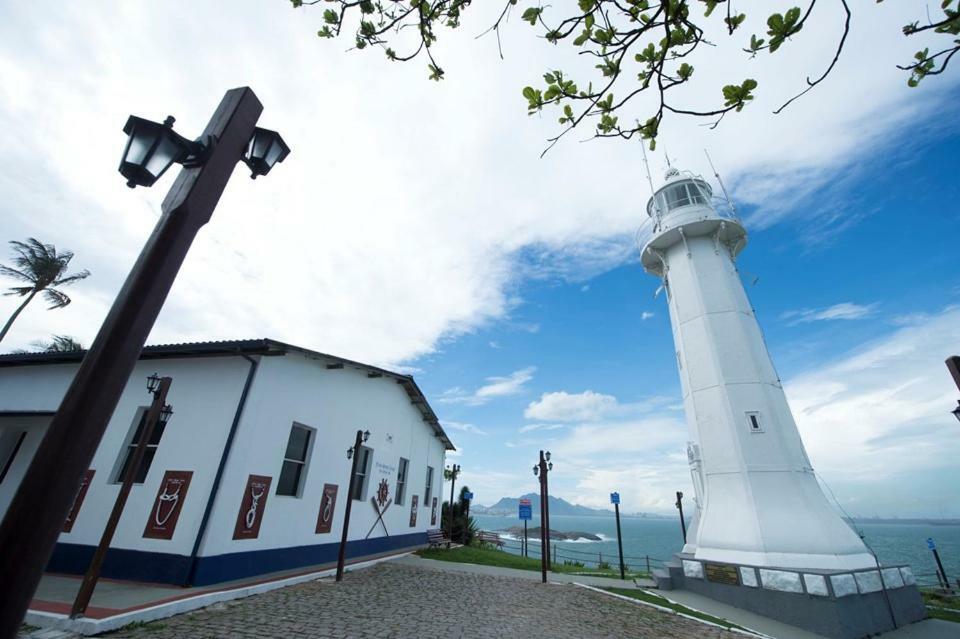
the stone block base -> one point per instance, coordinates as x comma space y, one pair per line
835, 604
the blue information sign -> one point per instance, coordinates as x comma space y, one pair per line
930, 543
468, 496
614, 498
526, 509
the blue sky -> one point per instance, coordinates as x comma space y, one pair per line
872, 252
416, 226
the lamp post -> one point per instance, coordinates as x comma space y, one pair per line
953, 365
683, 524
453, 471
36, 513
541, 470
158, 413
352, 453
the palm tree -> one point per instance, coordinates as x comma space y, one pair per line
42, 268
59, 344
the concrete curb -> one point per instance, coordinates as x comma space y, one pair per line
86, 626
746, 631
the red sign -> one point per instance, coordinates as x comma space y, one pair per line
78, 500
166, 508
433, 513
414, 502
328, 505
252, 506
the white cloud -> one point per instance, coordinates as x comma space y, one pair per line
646, 315
881, 412
842, 311
532, 427
358, 244
512, 384
463, 427
567, 407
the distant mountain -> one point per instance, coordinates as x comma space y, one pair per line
558, 506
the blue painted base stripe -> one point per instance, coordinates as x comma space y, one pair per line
166, 568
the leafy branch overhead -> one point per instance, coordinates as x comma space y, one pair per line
638, 47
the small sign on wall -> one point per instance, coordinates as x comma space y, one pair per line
78, 500
252, 506
433, 512
328, 504
414, 502
168, 504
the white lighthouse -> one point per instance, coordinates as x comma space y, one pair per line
758, 501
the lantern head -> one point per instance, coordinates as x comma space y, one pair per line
265, 149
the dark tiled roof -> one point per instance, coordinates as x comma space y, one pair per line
266, 347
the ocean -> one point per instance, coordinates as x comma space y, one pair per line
660, 538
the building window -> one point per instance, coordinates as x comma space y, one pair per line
753, 419
428, 490
295, 461
358, 488
401, 481
10, 443
151, 449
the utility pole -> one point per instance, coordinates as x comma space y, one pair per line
354, 454
615, 498
153, 417
35, 516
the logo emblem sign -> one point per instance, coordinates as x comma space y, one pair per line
167, 506
252, 506
328, 504
380, 504
78, 500
414, 502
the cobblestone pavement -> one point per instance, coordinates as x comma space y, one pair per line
391, 600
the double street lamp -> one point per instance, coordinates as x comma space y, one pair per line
352, 453
543, 467
35, 515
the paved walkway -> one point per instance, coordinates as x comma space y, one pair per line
397, 600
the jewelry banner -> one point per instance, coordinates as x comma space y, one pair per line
252, 505
78, 500
433, 513
413, 510
328, 505
166, 509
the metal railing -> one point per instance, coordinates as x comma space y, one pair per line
567, 556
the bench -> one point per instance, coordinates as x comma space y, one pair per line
486, 537
436, 538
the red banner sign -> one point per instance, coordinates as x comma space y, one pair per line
433, 513
252, 506
328, 505
168, 504
78, 500
414, 502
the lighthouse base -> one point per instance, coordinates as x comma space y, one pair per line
831, 603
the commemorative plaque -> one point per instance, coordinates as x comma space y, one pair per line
168, 504
414, 502
78, 500
722, 573
252, 506
328, 504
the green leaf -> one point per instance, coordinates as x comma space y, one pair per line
531, 15
330, 17
585, 5
436, 73
685, 71
580, 39
366, 6
711, 5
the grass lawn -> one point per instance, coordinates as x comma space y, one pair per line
660, 601
491, 557
942, 607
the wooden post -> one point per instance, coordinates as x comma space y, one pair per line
342, 555
133, 466
35, 516
544, 547
616, 509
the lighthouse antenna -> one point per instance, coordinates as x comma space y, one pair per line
647, 167
667, 155
723, 188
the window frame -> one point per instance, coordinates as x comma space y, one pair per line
753, 421
12, 441
304, 464
403, 472
428, 486
130, 445
358, 492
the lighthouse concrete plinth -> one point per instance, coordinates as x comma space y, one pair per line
832, 603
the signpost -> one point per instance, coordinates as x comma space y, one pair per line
615, 500
936, 555
526, 514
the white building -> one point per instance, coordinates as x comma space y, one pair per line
250, 474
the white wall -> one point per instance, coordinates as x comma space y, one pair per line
337, 402
204, 395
